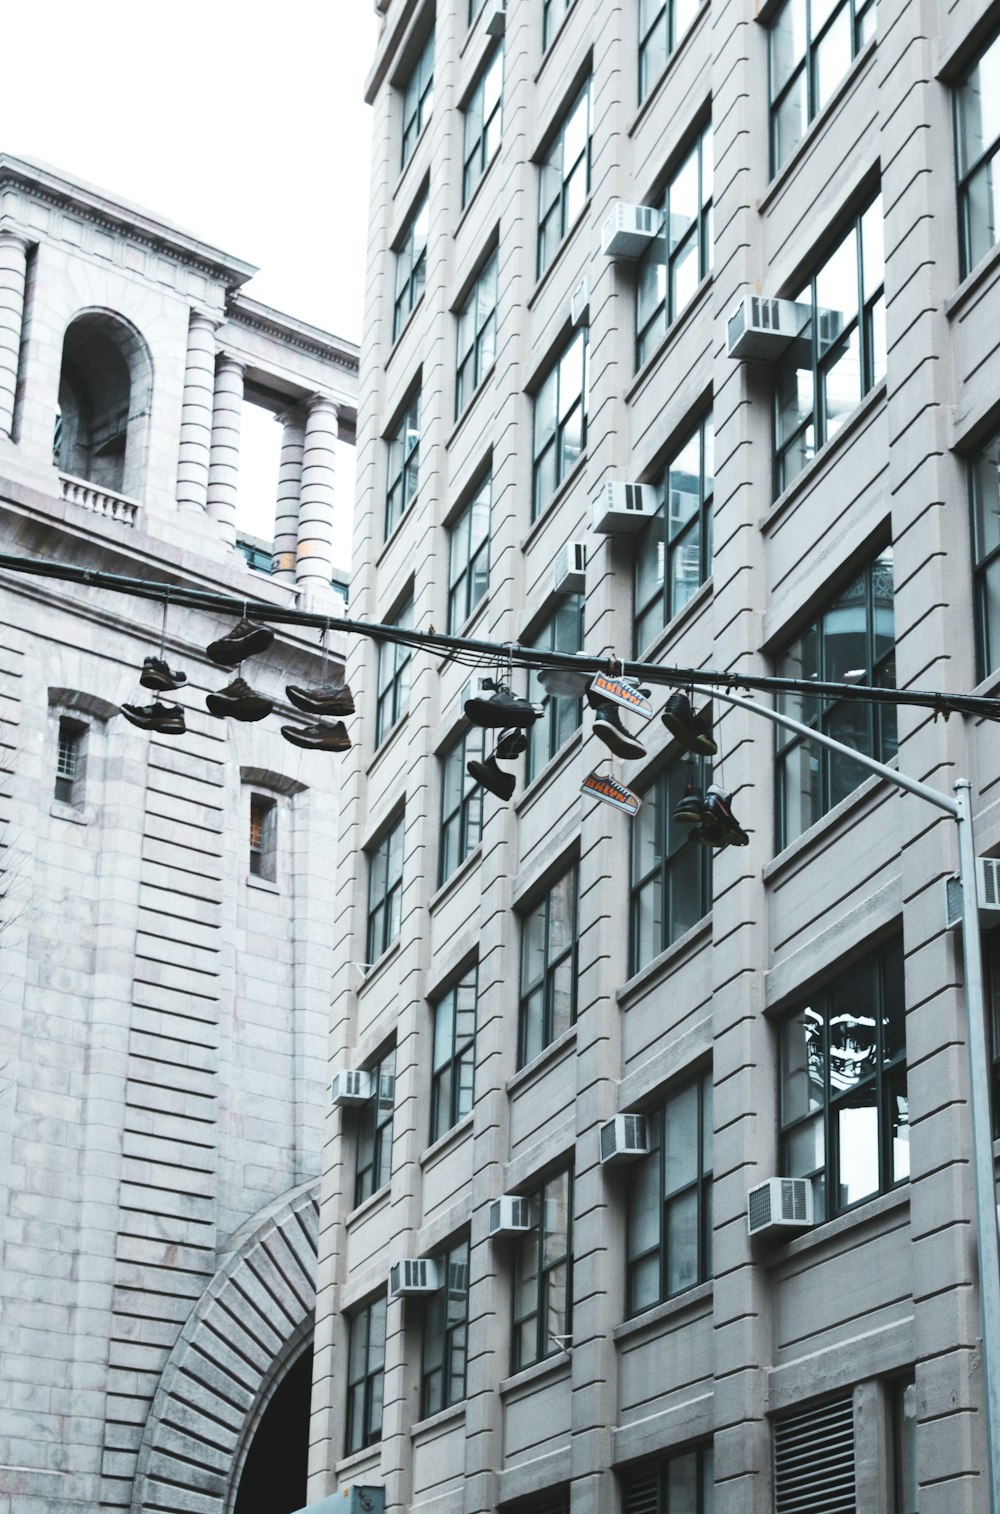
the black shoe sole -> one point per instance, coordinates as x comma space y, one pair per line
161, 685
312, 743
617, 741
246, 710
688, 817
340, 705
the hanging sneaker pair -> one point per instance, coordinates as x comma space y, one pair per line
502, 709
711, 816
489, 774
238, 701
246, 639
609, 728
164, 719
321, 737
692, 731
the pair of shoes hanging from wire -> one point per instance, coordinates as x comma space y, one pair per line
506, 712
164, 719
710, 814
322, 699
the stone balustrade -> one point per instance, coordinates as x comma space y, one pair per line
77, 491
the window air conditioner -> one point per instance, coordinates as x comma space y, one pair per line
349, 1088
579, 304
509, 1215
620, 509
987, 887
760, 328
624, 1138
780, 1204
629, 229
496, 17
412, 1276
570, 571
479, 686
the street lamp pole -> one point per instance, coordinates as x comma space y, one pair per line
988, 1246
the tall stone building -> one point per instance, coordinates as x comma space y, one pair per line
166, 955
574, 209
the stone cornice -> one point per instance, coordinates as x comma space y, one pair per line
243, 311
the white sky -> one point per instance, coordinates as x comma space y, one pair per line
243, 123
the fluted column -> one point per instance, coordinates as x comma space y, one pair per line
196, 413
13, 261
314, 555
224, 466
286, 509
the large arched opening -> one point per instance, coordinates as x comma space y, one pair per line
105, 384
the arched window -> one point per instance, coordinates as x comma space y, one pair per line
104, 393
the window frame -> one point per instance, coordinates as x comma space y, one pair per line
477, 158
985, 560
557, 429
966, 171
653, 324
553, 13
371, 1378
445, 1336
392, 678
402, 482
675, 32
666, 876
452, 1086
263, 853
529, 1028
547, 1266
410, 270
374, 1138
71, 761
469, 557
419, 85
559, 210
464, 818
698, 524
475, 356
385, 914
859, 13
561, 716
645, 1488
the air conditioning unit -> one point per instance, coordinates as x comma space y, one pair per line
509, 1215
414, 1275
780, 1204
349, 1087
620, 509
496, 17
987, 888
569, 574
760, 328
629, 229
624, 1138
479, 686
579, 303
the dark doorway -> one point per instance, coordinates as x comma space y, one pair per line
274, 1473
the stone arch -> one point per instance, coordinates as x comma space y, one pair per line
252, 1321
105, 390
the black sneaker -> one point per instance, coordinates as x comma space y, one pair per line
325, 699
238, 701
691, 809
719, 815
511, 744
710, 834
691, 730
319, 737
246, 639
501, 709
168, 719
608, 726
492, 777
156, 675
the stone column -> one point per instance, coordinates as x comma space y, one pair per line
224, 466
286, 510
314, 556
196, 413
13, 261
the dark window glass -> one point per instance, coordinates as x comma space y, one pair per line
851, 641
393, 678
365, 1374
552, 13
411, 267
469, 557
385, 891
70, 761
543, 1274
403, 465
418, 97
477, 335
560, 421
984, 483
811, 45
446, 1322
991, 954
977, 130
461, 803
562, 632
677, 1484
483, 124
263, 837
662, 25
564, 178
671, 874
839, 353
548, 967
454, 1078
373, 1168
844, 1121
673, 555
670, 1200
680, 256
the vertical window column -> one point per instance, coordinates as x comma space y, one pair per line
385, 891
365, 1375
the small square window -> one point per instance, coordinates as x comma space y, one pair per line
263, 834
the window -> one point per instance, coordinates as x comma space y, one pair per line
548, 967
671, 874
263, 834
445, 1331
674, 553
670, 1200
562, 632
991, 953
411, 267
564, 178
977, 129
839, 353
453, 1082
373, 1168
403, 465
560, 425
469, 557
393, 678
70, 761
662, 24
555, 1501
984, 487
418, 97
674, 264
904, 1438
811, 44
843, 1086
461, 803
851, 640
385, 891
543, 1274
365, 1374
552, 13
814, 1458
477, 334
483, 124
678, 1484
